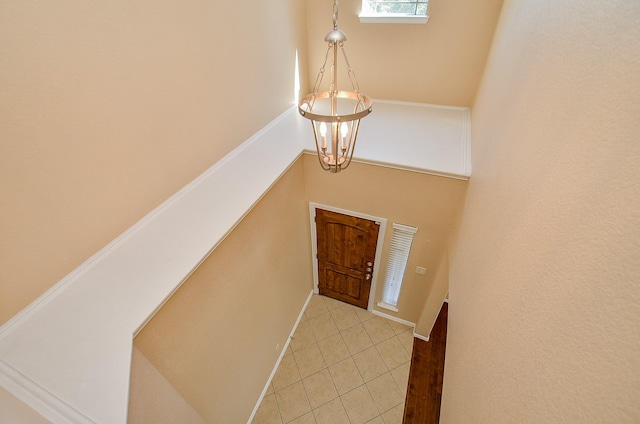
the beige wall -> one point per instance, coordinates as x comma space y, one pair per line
427, 202
434, 300
215, 339
440, 62
108, 108
544, 323
14, 411
161, 405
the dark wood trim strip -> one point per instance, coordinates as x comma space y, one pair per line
424, 392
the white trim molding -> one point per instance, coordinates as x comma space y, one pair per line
283, 350
393, 19
387, 306
420, 336
31, 393
402, 321
396, 319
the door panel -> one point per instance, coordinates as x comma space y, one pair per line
343, 283
346, 253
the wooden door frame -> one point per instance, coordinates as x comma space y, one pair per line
314, 244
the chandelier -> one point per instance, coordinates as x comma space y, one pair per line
335, 115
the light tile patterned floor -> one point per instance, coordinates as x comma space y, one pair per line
343, 365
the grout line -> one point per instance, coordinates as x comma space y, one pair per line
325, 367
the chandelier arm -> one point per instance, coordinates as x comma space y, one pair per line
352, 144
323, 165
316, 86
334, 80
358, 104
335, 142
311, 99
321, 155
350, 72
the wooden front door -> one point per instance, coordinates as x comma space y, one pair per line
346, 253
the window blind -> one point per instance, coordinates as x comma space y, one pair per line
401, 241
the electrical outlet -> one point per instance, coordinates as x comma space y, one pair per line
421, 270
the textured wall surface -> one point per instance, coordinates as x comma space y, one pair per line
544, 323
440, 62
152, 399
13, 411
107, 109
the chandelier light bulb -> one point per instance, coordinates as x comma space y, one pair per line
344, 130
323, 135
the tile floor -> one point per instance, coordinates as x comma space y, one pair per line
343, 365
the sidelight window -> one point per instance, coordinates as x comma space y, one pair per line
401, 241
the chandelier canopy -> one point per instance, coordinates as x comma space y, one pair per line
335, 114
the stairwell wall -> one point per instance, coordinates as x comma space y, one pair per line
544, 324
107, 109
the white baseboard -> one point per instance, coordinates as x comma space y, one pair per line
392, 318
282, 352
402, 321
421, 337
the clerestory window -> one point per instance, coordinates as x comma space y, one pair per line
394, 11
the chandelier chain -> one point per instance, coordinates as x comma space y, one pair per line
335, 14
350, 72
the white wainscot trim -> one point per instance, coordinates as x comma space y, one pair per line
68, 354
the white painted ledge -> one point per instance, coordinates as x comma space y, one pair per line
416, 137
68, 354
420, 137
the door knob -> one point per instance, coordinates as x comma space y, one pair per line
367, 276
369, 263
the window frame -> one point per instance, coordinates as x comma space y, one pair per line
368, 17
399, 251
